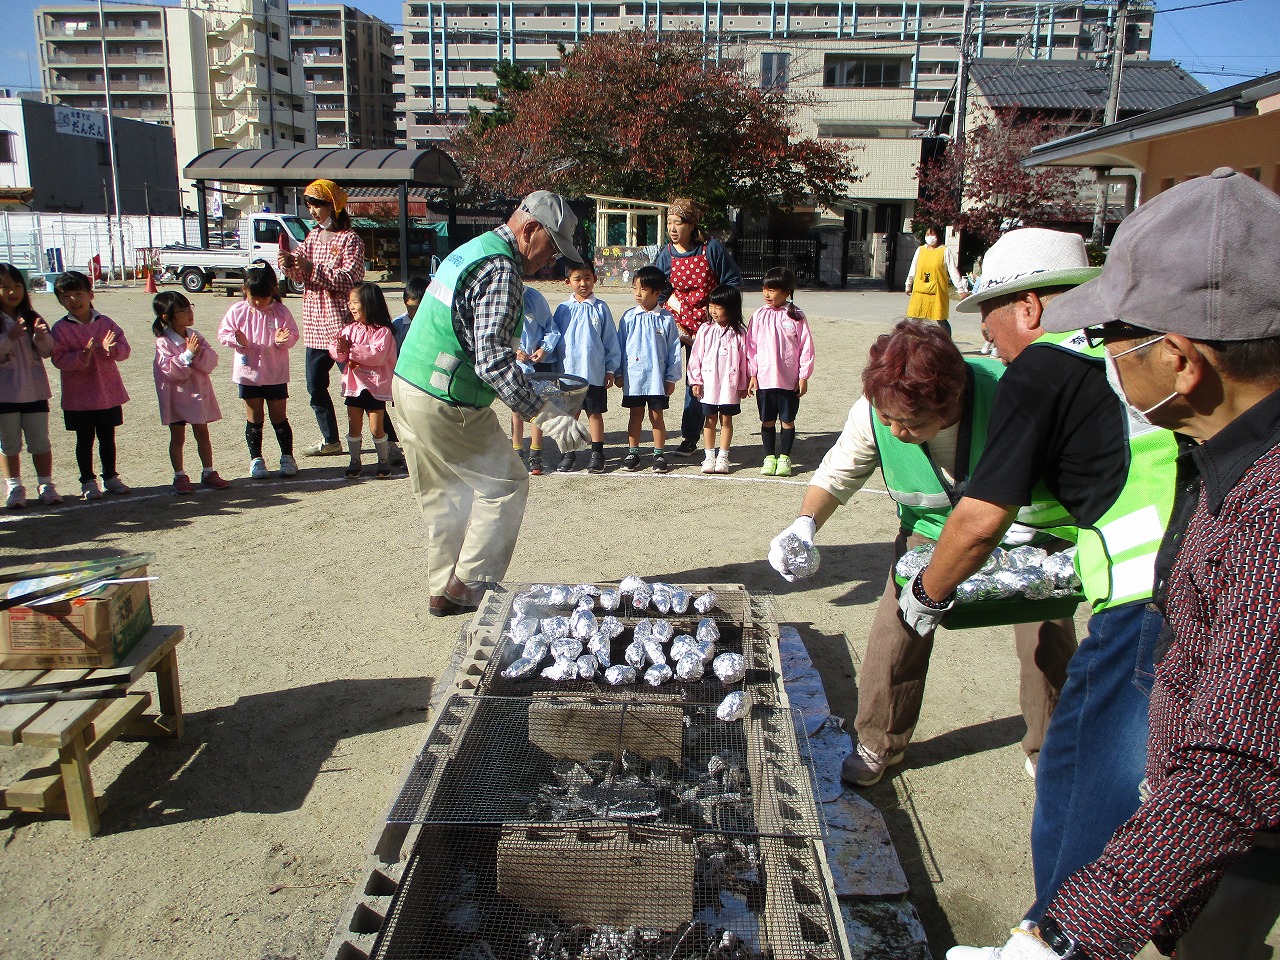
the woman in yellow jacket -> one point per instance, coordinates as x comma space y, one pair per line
931, 267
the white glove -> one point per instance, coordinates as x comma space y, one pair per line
1023, 944
569, 435
920, 618
802, 527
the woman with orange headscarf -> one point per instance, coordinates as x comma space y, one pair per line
328, 264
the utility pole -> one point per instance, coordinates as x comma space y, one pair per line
962, 76
1118, 32
111, 146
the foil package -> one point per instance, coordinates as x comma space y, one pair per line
561, 596
610, 599
653, 650
663, 631
561, 670
609, 627
690, 668
553, 628
522, 629
536, 649
642, 630
729, 667
566, 648
658, 674
619, 674
630, 583
587, 666
662, 597
641, 596
707, 630
521, 668
735, 706
635, 655
583, 623
801, 559
705, 603
1024, 571
913, 561
680, 600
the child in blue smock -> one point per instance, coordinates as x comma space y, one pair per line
588, 349
537, 353
651, 364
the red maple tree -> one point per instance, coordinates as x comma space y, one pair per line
629, 114
996, 192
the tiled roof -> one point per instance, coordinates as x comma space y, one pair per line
1082, 85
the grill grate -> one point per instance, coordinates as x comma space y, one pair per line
608, 892
547, 760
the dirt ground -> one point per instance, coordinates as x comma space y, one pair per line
309, 659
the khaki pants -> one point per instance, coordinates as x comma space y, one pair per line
469, 483
891, 682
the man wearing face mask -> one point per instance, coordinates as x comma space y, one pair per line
1192, 327
1056, 420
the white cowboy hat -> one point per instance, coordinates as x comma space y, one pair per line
1030, 259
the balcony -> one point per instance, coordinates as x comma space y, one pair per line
316, 30
326, 86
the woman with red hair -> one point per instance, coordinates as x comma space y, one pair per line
922, 420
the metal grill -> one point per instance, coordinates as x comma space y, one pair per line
552, 760
607, 891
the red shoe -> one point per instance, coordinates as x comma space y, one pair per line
213, 481
182, 483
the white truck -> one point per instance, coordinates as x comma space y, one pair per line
197, 268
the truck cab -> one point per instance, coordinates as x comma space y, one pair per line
198, 268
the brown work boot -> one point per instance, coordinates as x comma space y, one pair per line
462, 595
862, 768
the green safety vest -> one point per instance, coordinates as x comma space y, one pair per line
432, 358
916, 484
1116, 557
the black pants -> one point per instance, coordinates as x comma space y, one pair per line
106, 437
691, 419
319, 363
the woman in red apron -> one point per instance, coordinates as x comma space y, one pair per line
694, 265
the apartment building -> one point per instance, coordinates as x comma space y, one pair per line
880, 75
347, 65
219, 72
397, 86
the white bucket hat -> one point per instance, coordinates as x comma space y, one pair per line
1030, 259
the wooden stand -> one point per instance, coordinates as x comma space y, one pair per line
79, 730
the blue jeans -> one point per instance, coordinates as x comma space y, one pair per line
319, 363
1095, 751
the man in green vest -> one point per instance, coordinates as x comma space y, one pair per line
922, 420
458, 357
1056, 421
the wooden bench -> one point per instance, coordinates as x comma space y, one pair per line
79, 730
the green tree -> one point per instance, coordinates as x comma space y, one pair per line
633, 115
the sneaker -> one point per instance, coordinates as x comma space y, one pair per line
354, 469
383, 471
49, 494
91, 490
568, 463
17, 498
770, 467
535, 463
182, 483
862, 768
523, 455
709, 462
258, 469
116, 485
213, 481
597, 463
322, 449
687, 447
986, 348
288, 466
783, 468
631, 461
660, 464
722, 463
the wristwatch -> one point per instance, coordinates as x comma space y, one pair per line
1059, 941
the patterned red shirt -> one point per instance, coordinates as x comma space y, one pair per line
336, 266
1214, 751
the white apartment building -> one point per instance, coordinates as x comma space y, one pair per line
880, 74
397, 86
219, 72
347, 65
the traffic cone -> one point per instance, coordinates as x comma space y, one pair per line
151, 282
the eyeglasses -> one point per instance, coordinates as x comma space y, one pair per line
1115, 330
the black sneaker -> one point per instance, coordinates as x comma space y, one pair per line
597, 463
631, 462
535, 463
687, 447
660, 464
568, 463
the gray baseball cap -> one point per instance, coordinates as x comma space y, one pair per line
553, 212
1199, 260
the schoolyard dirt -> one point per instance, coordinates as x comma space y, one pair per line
309, 660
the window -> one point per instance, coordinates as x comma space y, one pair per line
846, 71
266, 231
6, 147
773, 70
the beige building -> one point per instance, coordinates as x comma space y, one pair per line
346, 59
219, 72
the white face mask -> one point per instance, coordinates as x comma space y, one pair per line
931, 240
1113, 378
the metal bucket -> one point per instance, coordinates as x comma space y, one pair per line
563, 389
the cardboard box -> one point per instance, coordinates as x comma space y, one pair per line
96, 629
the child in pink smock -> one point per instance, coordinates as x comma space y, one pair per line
25, 342
718, 373
184, 360
87, 349
367, 346
780, 360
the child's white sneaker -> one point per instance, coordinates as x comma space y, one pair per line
722, 463
91, 490
258, 469
116, 485
17, 498
288, 466
709, 462
49, 495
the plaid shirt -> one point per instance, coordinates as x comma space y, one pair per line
336, 266
485, 310
1214, 750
